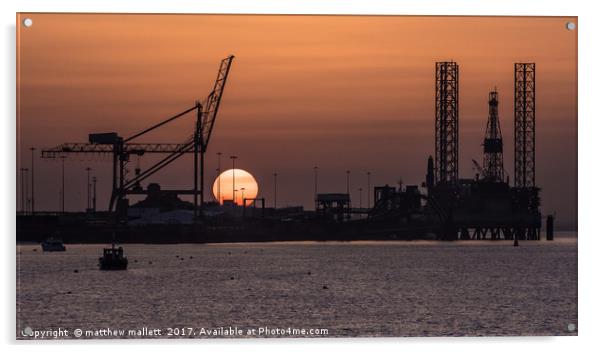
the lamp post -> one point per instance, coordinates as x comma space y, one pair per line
63, 184
315, 182
94, 194
26, 184
23, 190
233, 158
348, 172
275, 189
89, 190
219, 178
369, 189
33, 204
219, 201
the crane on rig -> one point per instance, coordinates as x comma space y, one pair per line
493, 146
122, 148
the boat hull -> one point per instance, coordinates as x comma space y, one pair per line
112, 265
53, 247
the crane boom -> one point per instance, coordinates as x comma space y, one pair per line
477, 167
213, 101
100, 149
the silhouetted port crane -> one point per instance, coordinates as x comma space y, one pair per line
122, 148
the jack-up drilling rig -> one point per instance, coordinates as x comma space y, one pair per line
487, 206
122, 148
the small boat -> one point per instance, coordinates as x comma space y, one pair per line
53, 244
112, 259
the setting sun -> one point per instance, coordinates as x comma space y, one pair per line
244, 185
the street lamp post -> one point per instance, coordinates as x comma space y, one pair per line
94, 194
23, 197
63, 184
369, 189
33, 204
233, 158
219, 178
26, 182
275, 189
348, 172
89, 190
315, 182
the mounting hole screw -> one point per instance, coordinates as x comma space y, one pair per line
571, 26
28, 331
571, 327
27, 22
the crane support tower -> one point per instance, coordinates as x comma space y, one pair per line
446, 122
122, 148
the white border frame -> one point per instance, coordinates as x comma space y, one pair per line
589, 160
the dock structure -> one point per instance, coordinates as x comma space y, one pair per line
336, 206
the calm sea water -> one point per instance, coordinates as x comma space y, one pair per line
418, 288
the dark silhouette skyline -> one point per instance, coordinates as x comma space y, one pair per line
341, 93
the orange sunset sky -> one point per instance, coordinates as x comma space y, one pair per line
340, 92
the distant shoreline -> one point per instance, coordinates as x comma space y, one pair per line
560, 234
